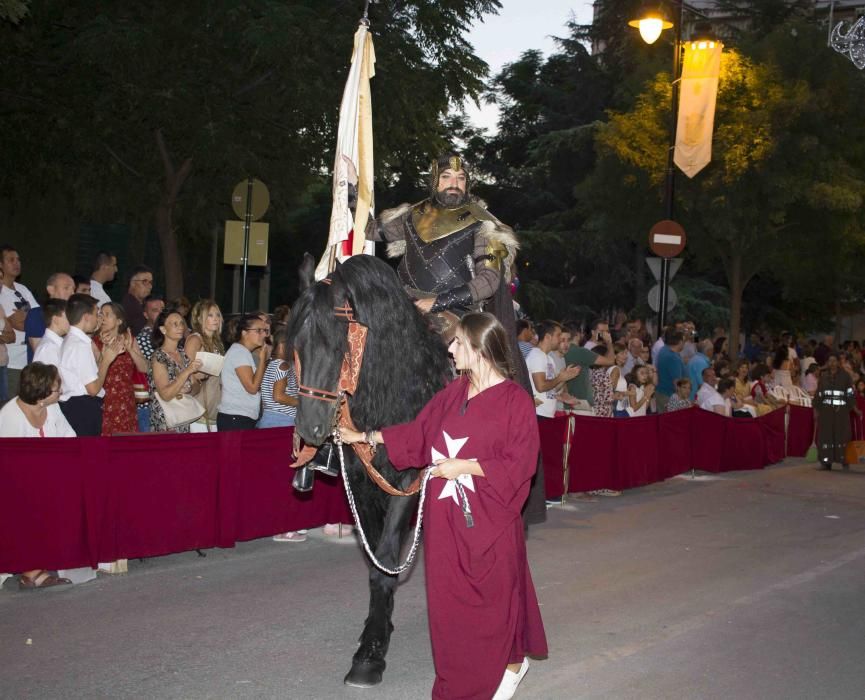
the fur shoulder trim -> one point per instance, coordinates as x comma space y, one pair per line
395, 249
389, 215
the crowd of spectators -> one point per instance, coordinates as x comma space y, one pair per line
114, 358
82, 363
618, 372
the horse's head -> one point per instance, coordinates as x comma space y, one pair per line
318, 335
404, 363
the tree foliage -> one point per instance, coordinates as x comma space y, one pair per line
13, 10
129, 109
786, 177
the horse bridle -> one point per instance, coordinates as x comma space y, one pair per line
349, 374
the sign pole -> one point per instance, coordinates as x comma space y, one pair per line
670, 182
664, 287
666, 240
247, 221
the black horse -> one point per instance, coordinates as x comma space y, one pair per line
404, 364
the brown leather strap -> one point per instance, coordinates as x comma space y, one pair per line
364, 452
306, 454
348, 379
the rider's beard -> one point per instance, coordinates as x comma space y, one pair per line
451, 197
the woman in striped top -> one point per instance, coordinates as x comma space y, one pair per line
279, 404
278, 388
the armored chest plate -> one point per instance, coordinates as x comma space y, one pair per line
438, 265
431, 223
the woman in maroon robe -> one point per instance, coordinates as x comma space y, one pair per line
481, 432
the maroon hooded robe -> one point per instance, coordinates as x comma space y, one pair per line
483, 611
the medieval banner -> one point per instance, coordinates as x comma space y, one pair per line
697, 96
352, 167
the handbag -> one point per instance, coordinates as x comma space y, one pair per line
182, 410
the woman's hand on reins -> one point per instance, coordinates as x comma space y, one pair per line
452, 468
349, 437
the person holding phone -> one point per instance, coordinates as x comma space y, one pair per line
580, 386
546, 382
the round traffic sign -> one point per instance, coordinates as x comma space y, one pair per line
259, 201
667, 239
655, 298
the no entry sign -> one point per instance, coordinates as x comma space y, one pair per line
667, 239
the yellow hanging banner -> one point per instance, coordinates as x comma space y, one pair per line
698, 93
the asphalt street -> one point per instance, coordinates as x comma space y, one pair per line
747, 585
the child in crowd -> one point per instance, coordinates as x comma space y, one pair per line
681, 399
640, 391
56, 328
279, 404
764, 401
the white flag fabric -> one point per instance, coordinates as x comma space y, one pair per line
697, 97
353, 162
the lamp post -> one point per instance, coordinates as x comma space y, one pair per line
650, 26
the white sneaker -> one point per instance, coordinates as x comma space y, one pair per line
510, 681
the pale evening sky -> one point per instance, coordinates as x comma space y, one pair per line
521, 25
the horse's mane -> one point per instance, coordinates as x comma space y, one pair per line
312, 317
405, 363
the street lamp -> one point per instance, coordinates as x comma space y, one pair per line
650, 25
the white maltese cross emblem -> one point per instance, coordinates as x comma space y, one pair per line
453, 447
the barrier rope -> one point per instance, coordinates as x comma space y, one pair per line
337, 440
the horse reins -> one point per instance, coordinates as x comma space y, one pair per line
349, 374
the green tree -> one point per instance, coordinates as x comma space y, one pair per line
14, 10
544, 146
151, 112
776, 162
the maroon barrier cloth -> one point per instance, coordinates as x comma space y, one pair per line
772, 425
553, 432
800, 431
675, 433
593, 453
623, 453
70, 502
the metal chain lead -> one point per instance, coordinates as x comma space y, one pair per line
417, 529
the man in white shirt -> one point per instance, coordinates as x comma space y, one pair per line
546, 382
56, 327
709, 380
708, 397
718, 400
83, 377
635, 349
16, 301
104, 271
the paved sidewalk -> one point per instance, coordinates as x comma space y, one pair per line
749, 585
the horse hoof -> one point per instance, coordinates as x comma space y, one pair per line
365, 674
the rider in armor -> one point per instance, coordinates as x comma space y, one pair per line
454, 252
